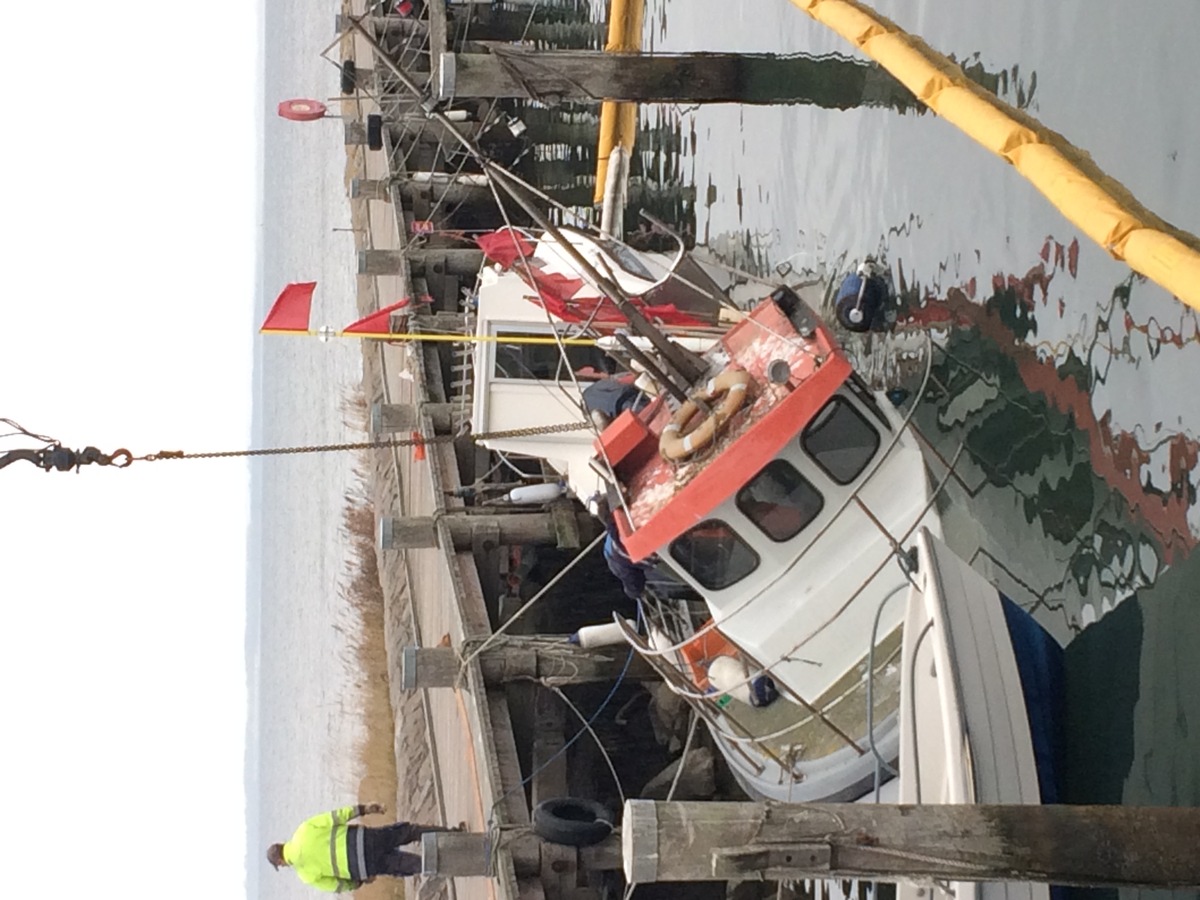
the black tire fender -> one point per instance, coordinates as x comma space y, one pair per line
375, 132
349, 77
572, 821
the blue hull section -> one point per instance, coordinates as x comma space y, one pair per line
1040, 664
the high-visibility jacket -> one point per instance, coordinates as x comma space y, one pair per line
319, 850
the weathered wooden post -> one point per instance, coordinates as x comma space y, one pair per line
513, 658
439, 261
450, 191
392, 418
757, 78
457, 853
515, 25
1119, 846
355, 132
537, 528
399, 25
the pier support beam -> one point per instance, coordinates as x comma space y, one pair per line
512, 658
431, 132
1119, 846
405, 25
537, 528
456, 853
463, 263
390, 418
449, 191
559, 76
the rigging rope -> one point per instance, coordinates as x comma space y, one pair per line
54, 456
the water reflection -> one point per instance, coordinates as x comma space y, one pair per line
1067, 380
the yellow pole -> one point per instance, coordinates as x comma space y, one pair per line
463, 338
1097, 204
618, 121
434, 337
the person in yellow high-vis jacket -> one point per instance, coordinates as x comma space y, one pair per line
333, 855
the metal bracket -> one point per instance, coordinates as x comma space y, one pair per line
768, 861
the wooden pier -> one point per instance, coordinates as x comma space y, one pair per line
487, 723
481, 726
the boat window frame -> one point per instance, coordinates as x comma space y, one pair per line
844, 402
500, 331
710, 584
863, 393
742, 502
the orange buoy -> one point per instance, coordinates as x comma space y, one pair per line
302, 110
418, 446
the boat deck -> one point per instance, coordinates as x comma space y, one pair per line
799, 734
664, 497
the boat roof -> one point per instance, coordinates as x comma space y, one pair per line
663, 499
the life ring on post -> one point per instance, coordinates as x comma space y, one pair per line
679, 441
573, 821
302, 110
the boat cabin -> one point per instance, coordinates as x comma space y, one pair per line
777, 522
530, 291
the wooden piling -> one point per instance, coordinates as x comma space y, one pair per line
536, 528
439, 261
511, 658
466, 854
448, 192
384, 25
392, 418
580, 75
1072, 845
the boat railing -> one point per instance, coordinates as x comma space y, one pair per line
705, 705
881, 764
721, 718
685, 687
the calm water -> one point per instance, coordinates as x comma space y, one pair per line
1069, 380
1066, 378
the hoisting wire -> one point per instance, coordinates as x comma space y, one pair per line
55, 456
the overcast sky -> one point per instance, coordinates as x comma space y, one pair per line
129, 201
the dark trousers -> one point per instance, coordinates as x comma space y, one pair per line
382, 853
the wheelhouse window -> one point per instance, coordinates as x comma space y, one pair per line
714, 554
543, 362
626, 258
779, 501
840, 440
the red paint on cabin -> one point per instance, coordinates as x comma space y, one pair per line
666, 499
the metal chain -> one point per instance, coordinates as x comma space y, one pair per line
370, 445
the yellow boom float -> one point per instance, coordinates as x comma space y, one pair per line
1098, 205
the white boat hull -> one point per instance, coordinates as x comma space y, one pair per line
964, 725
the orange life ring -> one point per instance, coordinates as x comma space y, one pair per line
678, 440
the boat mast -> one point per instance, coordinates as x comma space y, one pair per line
683, 364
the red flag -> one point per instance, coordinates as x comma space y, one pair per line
291, 308
378, 322
505, 246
